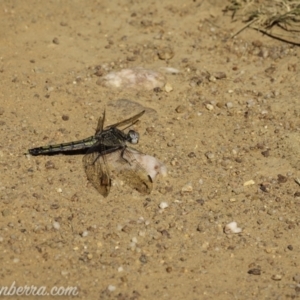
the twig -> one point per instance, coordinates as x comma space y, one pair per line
276, 37
247, 25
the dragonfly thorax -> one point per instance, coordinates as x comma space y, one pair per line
133, 137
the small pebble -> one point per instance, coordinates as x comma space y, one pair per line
219, 75
296, 278
238, 190
209, 106
126, 229
250, 102
120, 269
232, 228
142, 233
191, 155
200, 227
163, 205
157, 90
165, 53
265, 187
64, 273
165, 233
59, 190
111, 288
220, 104
49, 88
85, 233
180, 109
143, 259
195, 81
132, 246
209, 155
200, 201
170, 70
99, 71
276, 277
297, 180
187, 188
281, 178
254, 271
266, 153
55, 41
56, 225
212, 79
249, 182
49, 165
229, 105
168, 87
5, 212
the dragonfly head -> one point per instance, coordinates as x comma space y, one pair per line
133, 137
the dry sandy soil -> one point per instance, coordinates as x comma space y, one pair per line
228, 132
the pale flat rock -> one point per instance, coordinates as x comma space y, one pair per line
134, 78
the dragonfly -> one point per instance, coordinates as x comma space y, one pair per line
108, 155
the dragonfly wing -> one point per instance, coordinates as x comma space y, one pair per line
125, 164
127, 121
97, 171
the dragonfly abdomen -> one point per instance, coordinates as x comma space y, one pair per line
77, 145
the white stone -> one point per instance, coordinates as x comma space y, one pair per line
136, 78
168, 87
56, 225
249, 182
163, 205
232, 228
111, 288
209, 107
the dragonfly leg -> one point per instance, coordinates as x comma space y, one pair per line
122, 155
106, 151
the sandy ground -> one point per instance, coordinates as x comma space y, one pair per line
228, 132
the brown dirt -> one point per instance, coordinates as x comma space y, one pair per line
49, 94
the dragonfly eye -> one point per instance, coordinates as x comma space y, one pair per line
133, 137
